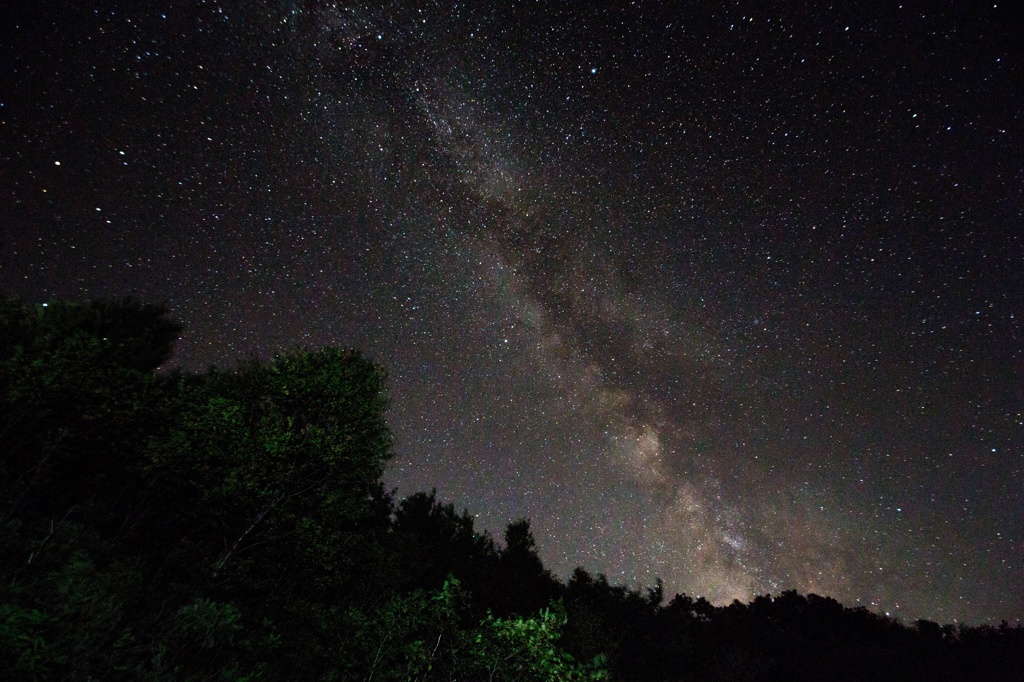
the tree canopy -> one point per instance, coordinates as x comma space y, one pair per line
233, 525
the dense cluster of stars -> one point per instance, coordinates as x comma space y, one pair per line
727, 295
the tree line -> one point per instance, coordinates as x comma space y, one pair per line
233, 525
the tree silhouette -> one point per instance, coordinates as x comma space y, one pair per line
432, 541
526, 585
232, 525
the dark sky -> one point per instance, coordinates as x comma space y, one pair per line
725, 293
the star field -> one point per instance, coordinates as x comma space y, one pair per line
728, 294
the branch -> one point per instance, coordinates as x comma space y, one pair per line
53, 529
252, 526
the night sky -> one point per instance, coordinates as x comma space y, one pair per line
727, 293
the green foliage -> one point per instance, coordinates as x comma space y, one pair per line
25, 652
521, 648
81, 612
144, 518
77, 398
232, 525
199, 642
208, 623
434, 636
414, 636
281, 464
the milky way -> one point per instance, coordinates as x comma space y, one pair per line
728, 296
